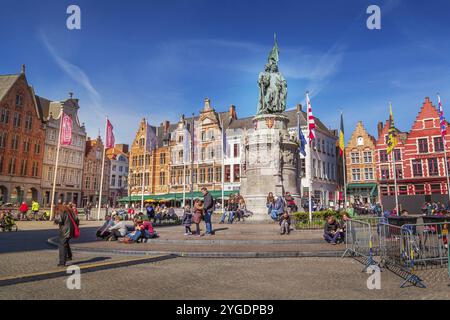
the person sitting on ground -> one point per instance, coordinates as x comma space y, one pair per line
290, 202
230, 210
344, 224
118, 230
171, 215
136, 234
332, 231
186, 220
147, 228
242, 209
285, 223
278, 208
270, 203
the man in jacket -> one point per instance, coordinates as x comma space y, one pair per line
66, 232
208, 205
332, 231
35, 209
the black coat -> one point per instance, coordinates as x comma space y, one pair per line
208, 202
66, 227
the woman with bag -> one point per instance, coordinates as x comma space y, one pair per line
198, 215
68, 229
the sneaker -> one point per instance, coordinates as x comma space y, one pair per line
189, 233
186, 234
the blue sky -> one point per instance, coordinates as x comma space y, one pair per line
160, 59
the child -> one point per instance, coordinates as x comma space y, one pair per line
187, 220
285, 223
198, 215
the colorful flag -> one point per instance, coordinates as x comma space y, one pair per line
186, 145
109, 143
150, 139
341, 137
301, 137
392, 139
311, 121
442, 120
66, 130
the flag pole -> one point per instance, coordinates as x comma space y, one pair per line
310, 160
192, 160
224, 150
52, 206
144, 167
102, 175
395, 182
443, 132
344, 167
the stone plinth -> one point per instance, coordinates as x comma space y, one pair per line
271, 164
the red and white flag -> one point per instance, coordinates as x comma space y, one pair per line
311, 121
109, 143
66, 129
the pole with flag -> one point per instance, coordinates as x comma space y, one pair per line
342, 153
312, 136
109, 143
144, 166
186, 152
64, 138
443, 126
392, 143
224, 152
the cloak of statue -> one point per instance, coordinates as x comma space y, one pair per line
272, 86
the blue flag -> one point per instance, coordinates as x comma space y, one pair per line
151, 139
301, 137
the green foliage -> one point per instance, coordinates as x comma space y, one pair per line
301, 219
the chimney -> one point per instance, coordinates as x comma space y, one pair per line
233, 112
22, 71
166, 126
299, 108
380, 128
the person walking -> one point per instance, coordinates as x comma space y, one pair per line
208, 205
68, 229
187, 220
35, 209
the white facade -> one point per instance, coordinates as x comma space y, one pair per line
232, 161
118, 177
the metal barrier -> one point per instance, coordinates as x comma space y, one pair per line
359, 238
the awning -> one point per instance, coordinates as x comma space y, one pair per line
176, 196
361, 185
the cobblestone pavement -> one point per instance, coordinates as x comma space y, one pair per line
181, 278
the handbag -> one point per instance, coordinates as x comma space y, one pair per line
76, 230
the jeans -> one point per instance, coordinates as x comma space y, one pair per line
208, 223
285, 227
330, 238
64, 250
230, 216
274, 215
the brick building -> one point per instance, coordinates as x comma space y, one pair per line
420, 169
22, 137
118, 175
92, 173
360, 166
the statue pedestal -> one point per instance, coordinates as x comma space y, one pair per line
271, 162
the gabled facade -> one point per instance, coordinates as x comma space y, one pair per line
118, 175
22, 138
360, 166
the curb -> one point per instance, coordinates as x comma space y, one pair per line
246, 255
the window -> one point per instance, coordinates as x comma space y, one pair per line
16, 120
318, 145
433, 169
162, 178
113, 180
402, 190
203, 136
355, 157
194, 176
119, 181
26, 145
323, 175
15, 142
210, 175
37, 147
398, 155
417, 167
398, 171
227, 173
420, 189
360, 141
19, 100
28, 122
368, 173
203, 154
435, 188
162, 158
87, 183
423, 145
218, 177
302, 167
236, 150
180, 156
12, 166
3, 139
210, 152
5, 116
237, 172
438, 144
383, 156
314, 168
202, 176
356, 174
367, 156
384, 173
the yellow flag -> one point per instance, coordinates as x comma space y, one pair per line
392, 139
